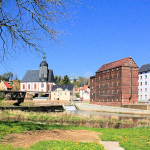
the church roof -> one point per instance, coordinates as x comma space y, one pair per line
44, 63
68, 87
33, 76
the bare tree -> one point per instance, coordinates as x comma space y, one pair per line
28, 21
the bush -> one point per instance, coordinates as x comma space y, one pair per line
2, 96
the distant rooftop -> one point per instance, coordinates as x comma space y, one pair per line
68, 87
144, 68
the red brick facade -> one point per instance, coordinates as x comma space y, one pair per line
115, 83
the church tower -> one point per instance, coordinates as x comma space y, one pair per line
43, 72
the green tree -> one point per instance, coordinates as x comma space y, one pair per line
66, 80
58, 80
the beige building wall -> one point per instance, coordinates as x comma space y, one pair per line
60, 94
2, 86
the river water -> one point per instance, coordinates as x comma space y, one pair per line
89, 114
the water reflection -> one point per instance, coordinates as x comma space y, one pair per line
91, 114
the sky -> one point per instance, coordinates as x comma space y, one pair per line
99, 32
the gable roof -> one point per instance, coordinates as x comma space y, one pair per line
7, 85
33, 76
68, 87
144, 68
113, 64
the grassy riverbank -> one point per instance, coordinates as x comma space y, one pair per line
130, 139
72, 119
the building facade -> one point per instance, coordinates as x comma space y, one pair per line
115, 83
144, 83
40, 80
84, 93
63, 92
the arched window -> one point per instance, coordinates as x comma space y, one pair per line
35, 86
29, 86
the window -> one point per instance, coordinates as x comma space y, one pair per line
145, 97
35, 86
23, 86
112, 83
145, 76
145, 89
117, 75
112, 76
108, 84
108, 76
145, 82
92, 80
112, 91
99, 78
99, 93
103, 92
130, 83
141, 90
117, 83
141, 77
92, 93
141, 83
117, 91
29, 86
92, 86
108, 91
42, 85
99, 86
117, 99
141, 97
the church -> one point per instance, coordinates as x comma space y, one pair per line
40, 80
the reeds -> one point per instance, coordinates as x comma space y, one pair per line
71, 119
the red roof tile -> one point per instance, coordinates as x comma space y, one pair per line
7, 85
84, 87
113, 64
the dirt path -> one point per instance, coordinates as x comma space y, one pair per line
28, 138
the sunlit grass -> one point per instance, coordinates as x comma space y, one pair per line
130, 139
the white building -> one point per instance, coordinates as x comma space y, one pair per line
144, 83
84, 93
38, 80
62, 92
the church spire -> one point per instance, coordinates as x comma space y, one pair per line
44, 58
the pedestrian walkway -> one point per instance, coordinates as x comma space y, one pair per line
109, 145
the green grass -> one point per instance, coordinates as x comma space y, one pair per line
58, 145
130, 139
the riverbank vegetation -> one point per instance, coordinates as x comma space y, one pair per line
63, 118
130, 139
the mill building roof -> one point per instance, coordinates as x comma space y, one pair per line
144, 68
113, 64
64, 87
33, 76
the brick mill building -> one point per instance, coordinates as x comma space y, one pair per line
115, 83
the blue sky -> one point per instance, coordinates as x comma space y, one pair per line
99, 32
